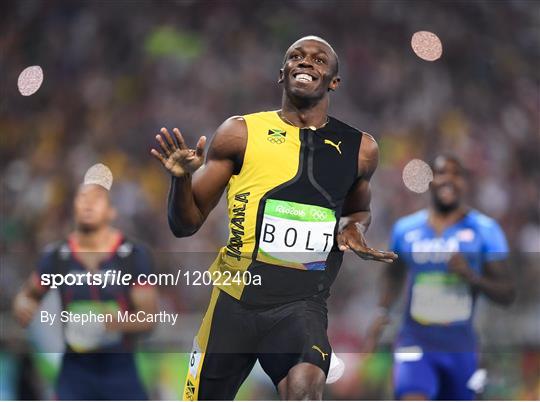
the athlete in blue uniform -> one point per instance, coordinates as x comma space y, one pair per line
98, 363
449, 254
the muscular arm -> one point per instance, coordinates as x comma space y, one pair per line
495, 281
356, 214
192, 197
356, 208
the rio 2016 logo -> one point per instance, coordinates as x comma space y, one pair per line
290, 211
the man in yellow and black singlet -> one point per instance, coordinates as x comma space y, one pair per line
298, 195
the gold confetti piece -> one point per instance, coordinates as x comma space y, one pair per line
417, 175
30, 80
426, 45
99, 174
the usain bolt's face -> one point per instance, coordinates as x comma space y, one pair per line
309, 70
92, 208
448, 185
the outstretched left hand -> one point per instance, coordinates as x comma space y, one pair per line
352, 238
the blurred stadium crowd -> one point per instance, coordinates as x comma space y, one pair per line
116, 72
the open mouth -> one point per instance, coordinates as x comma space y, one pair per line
303, 77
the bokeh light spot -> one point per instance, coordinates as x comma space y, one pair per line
30, 80
426, 45
417, 175
99, 174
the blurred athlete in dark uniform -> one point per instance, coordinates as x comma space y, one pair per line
449, 254
298, 195
98, 363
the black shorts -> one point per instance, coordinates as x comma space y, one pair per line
233, 335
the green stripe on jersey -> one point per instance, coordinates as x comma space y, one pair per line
438, 278
298, 212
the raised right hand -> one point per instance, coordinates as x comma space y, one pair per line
175, 156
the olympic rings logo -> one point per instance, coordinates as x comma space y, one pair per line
276, 139
318, 214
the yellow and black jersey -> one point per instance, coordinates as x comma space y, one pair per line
284, 206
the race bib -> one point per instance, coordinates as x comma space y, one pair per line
296, 235
92, 335
440, 298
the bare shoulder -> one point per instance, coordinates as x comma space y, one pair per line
233, 123
368, 147
230, 137
229, 141
368, 156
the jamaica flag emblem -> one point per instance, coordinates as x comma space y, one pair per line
189, 391
276, 136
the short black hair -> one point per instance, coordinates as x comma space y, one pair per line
318, 39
